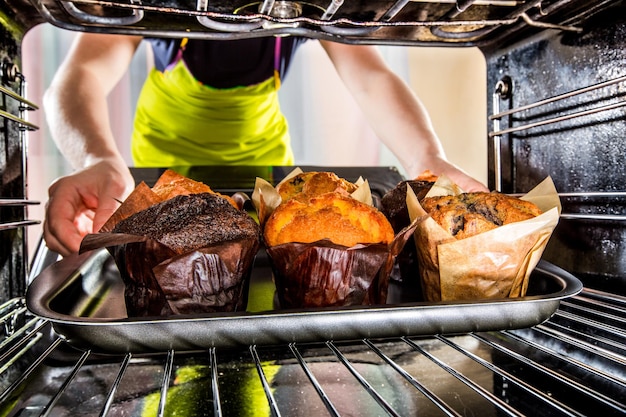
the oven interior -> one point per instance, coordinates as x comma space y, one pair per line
556, 83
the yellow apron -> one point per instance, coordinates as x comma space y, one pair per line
181, 122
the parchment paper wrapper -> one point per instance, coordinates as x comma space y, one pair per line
160, 282
324, 274
494, 264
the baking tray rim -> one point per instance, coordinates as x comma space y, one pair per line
570, 286
282, 325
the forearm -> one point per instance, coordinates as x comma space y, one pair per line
401, 122
395, 113
78, 118
76, 102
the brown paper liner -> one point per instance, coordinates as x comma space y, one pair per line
161, 282
323, 274
494, 264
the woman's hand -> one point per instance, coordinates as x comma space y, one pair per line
438, 166
81, 203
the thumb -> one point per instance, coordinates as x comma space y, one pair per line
106, 208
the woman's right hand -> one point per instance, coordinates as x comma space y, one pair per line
80, 203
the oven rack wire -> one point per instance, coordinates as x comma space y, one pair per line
18, 121
523, 118
571, 365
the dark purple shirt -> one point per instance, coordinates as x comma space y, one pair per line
228, 63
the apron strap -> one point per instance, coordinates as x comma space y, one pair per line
277, 62
179, 54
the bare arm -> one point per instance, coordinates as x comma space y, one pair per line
395, 113
77, 114
75, 103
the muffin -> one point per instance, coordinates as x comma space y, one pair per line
190, 253
326, 248
393, 203
187, 222
314, 183
171, 184
474, 246
393, 206
333, 216
468, 214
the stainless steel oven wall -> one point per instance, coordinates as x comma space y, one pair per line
13, 146
560, 106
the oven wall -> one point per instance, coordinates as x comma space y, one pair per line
13, 145
583, 154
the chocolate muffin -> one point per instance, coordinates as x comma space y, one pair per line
188, 222
393, 205
187, 255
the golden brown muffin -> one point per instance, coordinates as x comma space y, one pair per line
171, 184
314, 183
427, 175
469, 214
334, 216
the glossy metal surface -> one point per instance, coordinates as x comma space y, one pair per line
419, 22
83, 297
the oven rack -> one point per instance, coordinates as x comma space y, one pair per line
14, 112
14, 109
503, 89
408, 22
572, 365
608, 93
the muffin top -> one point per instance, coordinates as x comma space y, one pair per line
188, 222
393, 203
314, 183
468, 214
334, 216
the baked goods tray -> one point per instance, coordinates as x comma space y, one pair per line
83, 297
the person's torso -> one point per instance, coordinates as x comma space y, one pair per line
232, 63
226, 92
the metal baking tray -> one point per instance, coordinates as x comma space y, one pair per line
83, 297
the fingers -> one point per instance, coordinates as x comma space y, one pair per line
467, 183
66, 224
70, 210
81, 203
